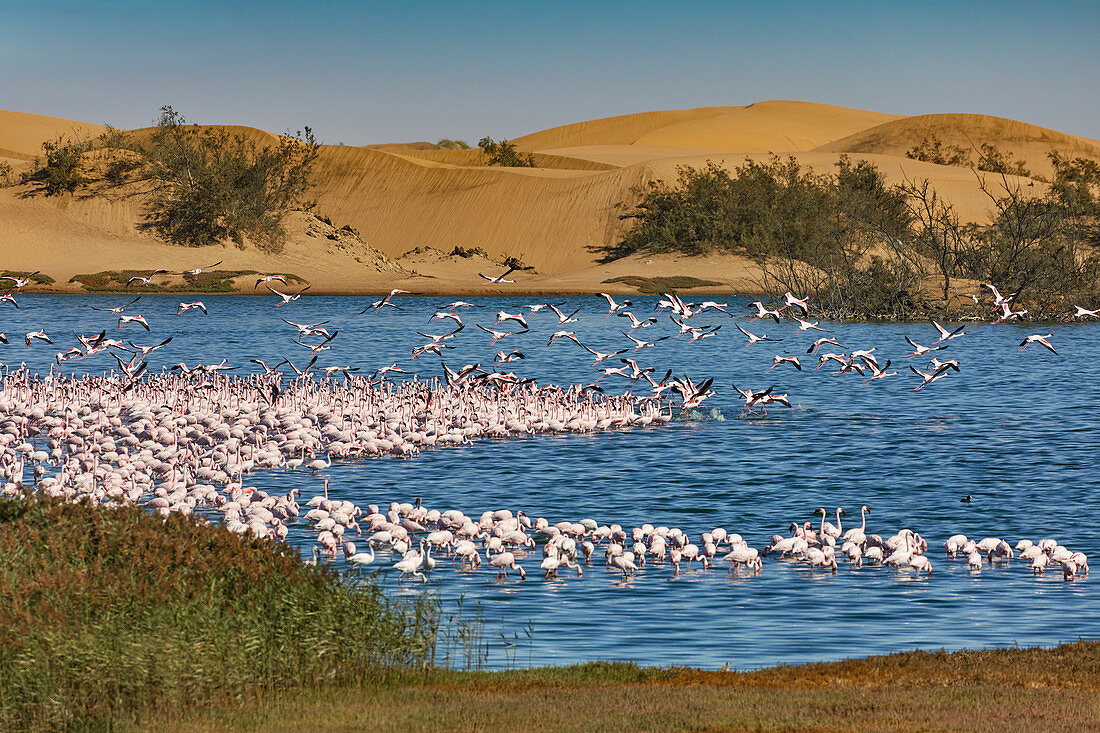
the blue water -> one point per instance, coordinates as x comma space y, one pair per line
1018, 431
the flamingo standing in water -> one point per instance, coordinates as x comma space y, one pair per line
858, 535
505, 561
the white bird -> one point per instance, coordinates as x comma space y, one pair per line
498, 335
639, 344
564, 319
930, 377
40, 335
265, 279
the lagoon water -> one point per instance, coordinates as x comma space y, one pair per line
1017, 431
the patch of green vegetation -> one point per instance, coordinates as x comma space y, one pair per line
504, 154
657, 285
932, 150
449, 144
38, 278
7, 175
106, 613
210, 281
61, 168
201, 185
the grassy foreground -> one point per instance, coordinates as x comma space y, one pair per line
1001, 690
113, 618
110, 614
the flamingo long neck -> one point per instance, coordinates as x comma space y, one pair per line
863, 516
838, 527
822, 530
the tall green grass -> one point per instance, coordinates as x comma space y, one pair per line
109, 614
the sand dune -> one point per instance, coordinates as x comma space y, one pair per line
1029, 143
555, 217
22, 134
766, 126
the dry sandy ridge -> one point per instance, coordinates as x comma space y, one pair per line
410, 198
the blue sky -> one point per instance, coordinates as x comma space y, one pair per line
371, 72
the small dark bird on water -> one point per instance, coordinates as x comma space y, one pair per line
967, 500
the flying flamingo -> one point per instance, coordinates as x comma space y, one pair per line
499, 278
145, 280
762, 312
754, 339
921, 350
801, 304
821, 342
140, 320
806, 325
614, 307
946, 335
287, 298
20, 282
184, 307
1080, 312
113, 311
777, 360
1037, 339
198, 270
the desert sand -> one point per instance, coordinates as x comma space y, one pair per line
412, 205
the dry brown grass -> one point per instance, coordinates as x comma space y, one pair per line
1025, 689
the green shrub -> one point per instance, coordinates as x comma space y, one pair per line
993, 160
62, 168
931, 150
207, 185
504, 153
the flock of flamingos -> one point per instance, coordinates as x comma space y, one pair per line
183, 439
